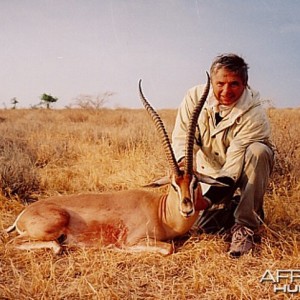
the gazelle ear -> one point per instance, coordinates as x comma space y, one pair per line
159, 182
209, 180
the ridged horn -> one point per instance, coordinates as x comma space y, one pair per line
162, 132
189, 144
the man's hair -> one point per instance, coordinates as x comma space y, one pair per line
233, 63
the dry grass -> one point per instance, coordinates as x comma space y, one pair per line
72, 151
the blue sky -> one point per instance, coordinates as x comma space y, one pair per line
86, 47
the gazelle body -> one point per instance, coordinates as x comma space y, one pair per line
134, 220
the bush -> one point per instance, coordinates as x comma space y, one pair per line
17, 171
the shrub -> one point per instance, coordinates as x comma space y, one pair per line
17, 171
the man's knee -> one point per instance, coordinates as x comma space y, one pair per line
259, 150
260, 153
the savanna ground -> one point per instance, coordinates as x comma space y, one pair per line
47, 152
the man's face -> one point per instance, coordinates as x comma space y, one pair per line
227, 86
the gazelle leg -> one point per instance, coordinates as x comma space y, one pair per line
152, 246
21, 242
55, 246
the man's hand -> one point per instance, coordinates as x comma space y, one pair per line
217, 194
227, 180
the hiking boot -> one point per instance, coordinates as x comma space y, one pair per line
242, 240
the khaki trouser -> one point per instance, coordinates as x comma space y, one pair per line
258, 164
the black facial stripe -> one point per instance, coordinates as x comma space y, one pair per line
174, 187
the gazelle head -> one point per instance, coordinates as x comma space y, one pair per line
183, 180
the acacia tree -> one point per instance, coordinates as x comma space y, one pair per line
14, 102
47, 99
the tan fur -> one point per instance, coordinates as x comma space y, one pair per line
134, 220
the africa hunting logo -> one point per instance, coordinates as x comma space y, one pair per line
284, 281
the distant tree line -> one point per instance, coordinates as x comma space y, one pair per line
84, 101
46, 100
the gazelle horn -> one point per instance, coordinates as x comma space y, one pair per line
189, 144
162, 132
